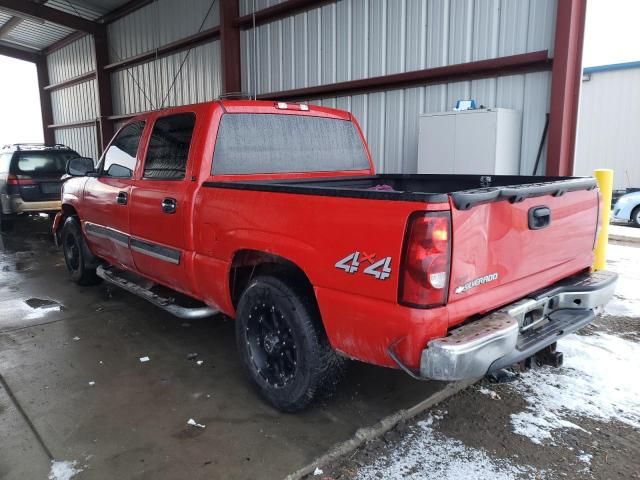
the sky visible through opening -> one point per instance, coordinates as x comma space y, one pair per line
612, 35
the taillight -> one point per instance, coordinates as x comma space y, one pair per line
14, 180
426, 260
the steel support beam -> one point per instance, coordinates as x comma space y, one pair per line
566, 78
63, 42
24, 8
280, 10
45, 100
169, 49
9, 25
495, 67
124, 10
19, 53
230, 47
103, 85
72, 81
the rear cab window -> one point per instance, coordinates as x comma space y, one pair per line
168, 149
255, 143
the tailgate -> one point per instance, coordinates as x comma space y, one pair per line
496, 245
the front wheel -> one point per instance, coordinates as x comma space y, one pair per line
80, 262
282, 345
635, 216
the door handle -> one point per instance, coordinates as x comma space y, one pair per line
169, 205
122, 198
539, 217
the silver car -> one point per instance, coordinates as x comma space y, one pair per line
627, 208
31, 178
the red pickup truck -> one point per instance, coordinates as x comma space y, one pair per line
271, 213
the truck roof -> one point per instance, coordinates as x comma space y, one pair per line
257, 106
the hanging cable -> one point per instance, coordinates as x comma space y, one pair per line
115, 54
204, 20
255, 53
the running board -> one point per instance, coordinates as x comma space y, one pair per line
143, 288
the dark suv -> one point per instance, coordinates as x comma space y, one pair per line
31, 177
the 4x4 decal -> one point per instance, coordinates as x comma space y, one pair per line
380, 269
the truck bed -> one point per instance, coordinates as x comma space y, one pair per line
466, 191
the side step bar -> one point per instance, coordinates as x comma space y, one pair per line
143, 288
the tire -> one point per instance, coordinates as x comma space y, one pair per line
273, 318
81, 263
635, 216
6, 223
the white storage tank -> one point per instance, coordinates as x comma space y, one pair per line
482, 141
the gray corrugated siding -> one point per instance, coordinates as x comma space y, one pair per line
354, 39
82, 140
148, 86
608, 126
159, 23
389, 119
346, 40
75, 103
71, 61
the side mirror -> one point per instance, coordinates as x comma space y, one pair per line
80, 166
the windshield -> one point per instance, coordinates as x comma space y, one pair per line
272, 143
42, 162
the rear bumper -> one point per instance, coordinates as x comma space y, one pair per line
14, 204
519, 330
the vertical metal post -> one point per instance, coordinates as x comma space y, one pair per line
604, 177
45, 100
230, 47
103, 82
566, 78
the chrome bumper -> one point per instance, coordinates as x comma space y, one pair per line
519, 330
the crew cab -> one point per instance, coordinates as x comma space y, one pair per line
271, 213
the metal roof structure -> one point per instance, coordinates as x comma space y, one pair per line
35, 25
101, 62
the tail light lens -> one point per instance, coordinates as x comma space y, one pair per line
426, 260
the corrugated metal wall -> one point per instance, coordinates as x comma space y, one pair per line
608, 126
81, 139
346, 40
354, 39
159, 23
149, 86
75, 103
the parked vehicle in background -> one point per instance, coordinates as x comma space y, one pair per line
627, 208
31, 178
271, 213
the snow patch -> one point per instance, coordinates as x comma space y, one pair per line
596, 381
625, 261
490, 393
426, 454
585, 458
63, 470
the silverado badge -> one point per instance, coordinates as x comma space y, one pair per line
478, 281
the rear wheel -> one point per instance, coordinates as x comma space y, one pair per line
635, 216
81, 263
6, 223
282, 345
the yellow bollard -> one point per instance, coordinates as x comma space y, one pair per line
604, 177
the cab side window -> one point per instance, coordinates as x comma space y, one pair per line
168, 149
120, 157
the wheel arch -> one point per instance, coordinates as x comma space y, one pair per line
247, 264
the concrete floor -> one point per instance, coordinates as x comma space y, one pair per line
133, 422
